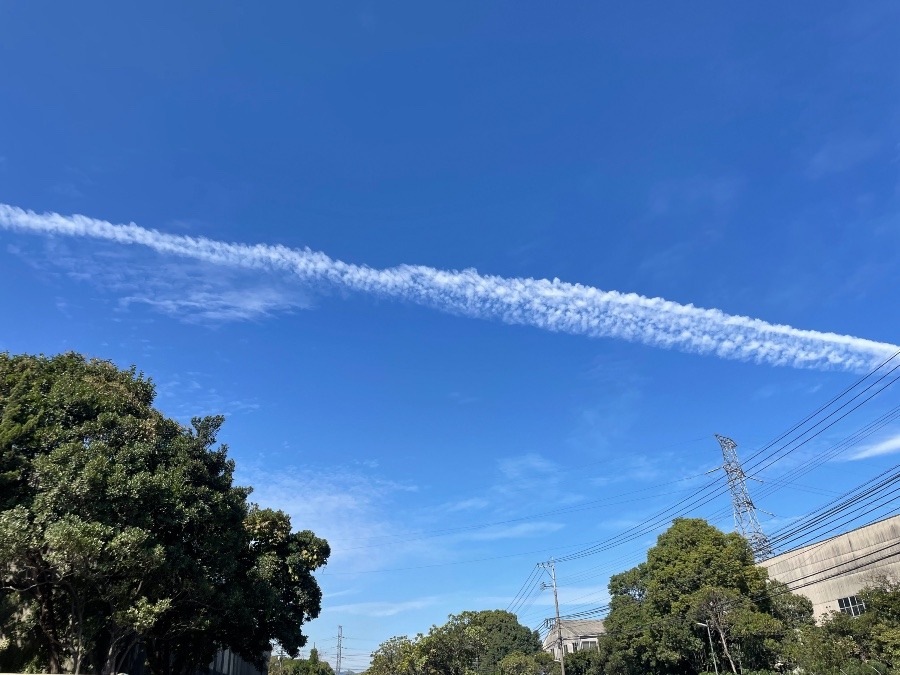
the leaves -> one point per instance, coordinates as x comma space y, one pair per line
469, 643
118, 525
696, 576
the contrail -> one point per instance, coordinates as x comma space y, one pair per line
551, 305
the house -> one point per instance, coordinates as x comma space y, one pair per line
577, 636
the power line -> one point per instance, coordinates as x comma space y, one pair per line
840, 507
611, 500
700, 499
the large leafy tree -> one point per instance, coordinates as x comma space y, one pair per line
398, 655
502, 634
119, 526
697, 575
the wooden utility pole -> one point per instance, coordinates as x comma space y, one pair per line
551, 567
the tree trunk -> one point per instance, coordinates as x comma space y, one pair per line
725, 648
47, 622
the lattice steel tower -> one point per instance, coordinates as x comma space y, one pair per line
745, 520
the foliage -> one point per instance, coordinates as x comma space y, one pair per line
454, 648
502, 635
587, 662
469, 643
310, 666
121, 527
696, 576
396, 656
540, 663
697, 586
844, 643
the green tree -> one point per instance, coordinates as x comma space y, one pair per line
588, 662
119, 526
311, 666
850, 644
502, 635
454, 648
539, 663
470, 642
694, 575
396, 656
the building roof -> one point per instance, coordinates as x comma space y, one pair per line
574, 630
884, 530
834, 570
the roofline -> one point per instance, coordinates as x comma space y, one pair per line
825, 541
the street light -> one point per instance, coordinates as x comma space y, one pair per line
711, 649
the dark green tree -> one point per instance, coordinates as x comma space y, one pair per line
588, 662
502, 634
695, 575
119, 526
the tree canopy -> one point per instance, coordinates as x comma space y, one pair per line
120, 527
309, 666
469, 643
697, 577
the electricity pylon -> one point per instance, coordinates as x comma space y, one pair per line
745, 521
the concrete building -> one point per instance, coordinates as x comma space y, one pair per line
831, 572
577, 636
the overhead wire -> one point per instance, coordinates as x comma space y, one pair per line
857, 497
702, 496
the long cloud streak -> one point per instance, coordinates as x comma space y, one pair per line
551, 305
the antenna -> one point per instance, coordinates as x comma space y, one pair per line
745, 521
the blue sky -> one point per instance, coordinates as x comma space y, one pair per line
740, 159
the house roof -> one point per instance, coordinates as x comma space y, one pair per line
574, 630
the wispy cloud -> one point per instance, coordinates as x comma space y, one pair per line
471, 504
383, 609
515, 531
526, 472
839, 155
548, 304
694, 193
343, 506
888, 446
193, 292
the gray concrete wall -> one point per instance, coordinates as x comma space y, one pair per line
856, 559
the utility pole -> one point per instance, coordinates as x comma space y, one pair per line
712, 649
340, 636
551, 567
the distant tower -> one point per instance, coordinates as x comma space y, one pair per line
745, 520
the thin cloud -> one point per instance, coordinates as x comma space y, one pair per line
384, 609
515, 531
548, 304
340, 505
841, 155
193, 292
888, 446
472, 504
